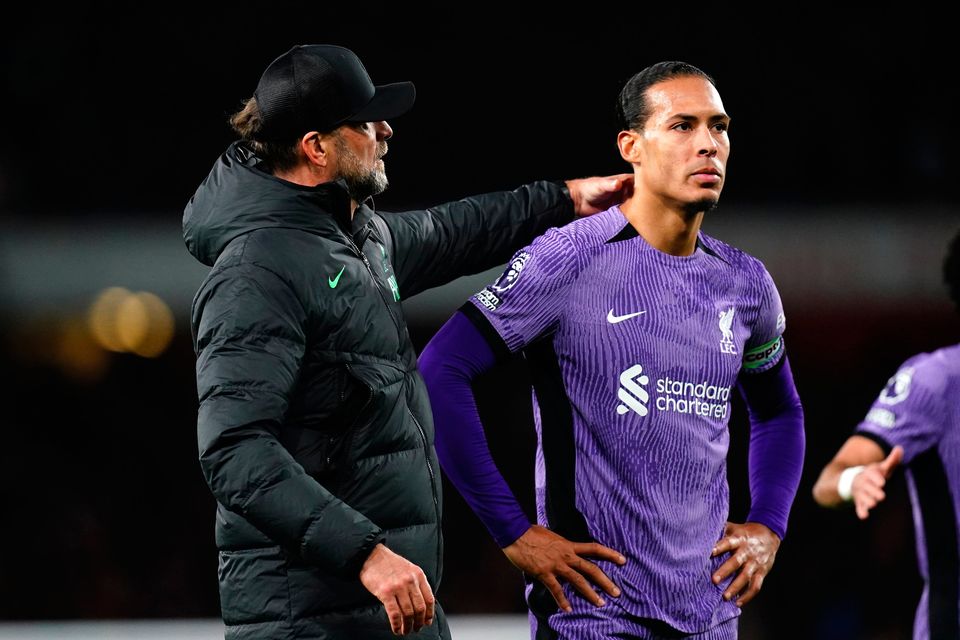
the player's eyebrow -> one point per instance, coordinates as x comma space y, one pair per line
717, 117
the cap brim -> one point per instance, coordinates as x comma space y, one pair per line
389, 101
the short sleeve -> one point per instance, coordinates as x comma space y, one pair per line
764, 348
910, 411
529, 298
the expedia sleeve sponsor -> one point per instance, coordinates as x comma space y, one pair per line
882, 418
488, 299
764, 356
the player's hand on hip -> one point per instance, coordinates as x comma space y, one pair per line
867, 488
593, 195
402, 587
550, 557
752, 548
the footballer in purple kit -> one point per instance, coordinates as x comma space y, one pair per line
636, 327
914, 422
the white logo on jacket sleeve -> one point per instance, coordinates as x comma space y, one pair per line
726, 324
512, 273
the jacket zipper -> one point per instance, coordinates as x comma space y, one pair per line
366, 263
433, 479
423, 434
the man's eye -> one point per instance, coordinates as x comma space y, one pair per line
682, 126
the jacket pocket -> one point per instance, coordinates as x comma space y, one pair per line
253, 586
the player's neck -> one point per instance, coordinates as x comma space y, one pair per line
666, 229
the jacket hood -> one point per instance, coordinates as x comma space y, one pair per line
237, 197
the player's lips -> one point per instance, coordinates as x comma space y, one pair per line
707, 175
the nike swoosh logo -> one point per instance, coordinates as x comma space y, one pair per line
333, 282
612, 319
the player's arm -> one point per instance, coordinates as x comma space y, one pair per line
433, 246
775, 464
454, 357
858, 474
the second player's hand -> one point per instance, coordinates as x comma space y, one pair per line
867, 489
550, 557
753, 548
402, 587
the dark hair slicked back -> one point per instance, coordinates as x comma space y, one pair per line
632, 106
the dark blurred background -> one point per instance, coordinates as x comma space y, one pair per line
842, 180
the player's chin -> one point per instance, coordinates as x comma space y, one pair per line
705, 202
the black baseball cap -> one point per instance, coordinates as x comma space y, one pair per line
320, 87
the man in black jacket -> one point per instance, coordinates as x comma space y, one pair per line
315, 431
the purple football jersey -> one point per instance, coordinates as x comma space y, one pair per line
634, 354
919, 410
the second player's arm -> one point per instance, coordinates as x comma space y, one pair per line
858, 473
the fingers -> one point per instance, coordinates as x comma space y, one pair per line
553, 559
597, 550
748, 582
725, 570
741, 581
419, 609
751, 559
868, 491
756, 583
557, 592
402, 587
892, 461
407, 610
726, 543
578, 582
863, 505
392, 607
598, 577
429, 600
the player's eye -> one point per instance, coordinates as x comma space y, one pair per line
682, 126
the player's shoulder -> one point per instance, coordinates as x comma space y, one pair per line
736, 258
574, 242
935, 370
595, 230
743, 263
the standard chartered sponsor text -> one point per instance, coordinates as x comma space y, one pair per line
700, 399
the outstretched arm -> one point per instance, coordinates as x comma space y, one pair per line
436, 245
858, 474
775, 464
456, 355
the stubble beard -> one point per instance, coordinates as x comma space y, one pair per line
700, 206
362, 182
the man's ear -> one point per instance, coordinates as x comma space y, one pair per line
629, 144
316, 147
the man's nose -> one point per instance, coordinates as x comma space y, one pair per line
708, 144
384, 131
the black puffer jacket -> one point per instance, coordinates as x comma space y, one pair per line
315, 431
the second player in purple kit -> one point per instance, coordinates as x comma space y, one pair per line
637, 327
915, 421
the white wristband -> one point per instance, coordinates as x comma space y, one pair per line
845, 483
